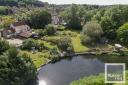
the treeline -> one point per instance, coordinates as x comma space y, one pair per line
109, 18
21, 3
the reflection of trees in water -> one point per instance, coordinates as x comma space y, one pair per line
109, 58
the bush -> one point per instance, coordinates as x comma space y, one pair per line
54, 53
65, 44
29, 43
60, 28
4, 45
42, 33
50, 29
86, 40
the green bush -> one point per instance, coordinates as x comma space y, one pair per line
50, 29
86, 40
60, 28
65, 44
54, 53
42, 33
29, 43
4, 45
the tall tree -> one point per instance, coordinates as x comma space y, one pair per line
72, 17
16, 69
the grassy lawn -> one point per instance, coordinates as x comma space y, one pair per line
38, 58
78, 47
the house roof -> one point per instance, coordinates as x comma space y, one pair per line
22, 27
25, 34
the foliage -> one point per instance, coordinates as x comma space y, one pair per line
16, 69
71, 16
54, 54
6, 21
4, 46
42, 32
107, 25
4, 10
39, 18
50, 29
21, 3
93, 31
86, 40
92, 80
122, 34
65, 44
29, 43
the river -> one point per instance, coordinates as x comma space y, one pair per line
67, 70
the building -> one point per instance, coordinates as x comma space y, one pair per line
17, 30
56, 19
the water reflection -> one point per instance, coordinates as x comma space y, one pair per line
42, 82
65, 71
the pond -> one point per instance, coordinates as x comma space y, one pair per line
67, 70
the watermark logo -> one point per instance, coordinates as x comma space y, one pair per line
114, 72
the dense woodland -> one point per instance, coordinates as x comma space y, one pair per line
91, 22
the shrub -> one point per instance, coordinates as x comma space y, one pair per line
29, 43
50, 29
42, 33
60, 28
65, 44
54, 53
86, 40
4, 45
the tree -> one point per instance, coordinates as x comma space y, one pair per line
93, 30
39, 19
29, 43
6, 21
16, 69
108, 28
122, 34
72, 17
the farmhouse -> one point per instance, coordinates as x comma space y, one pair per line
17, 30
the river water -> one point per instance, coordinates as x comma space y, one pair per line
67, 70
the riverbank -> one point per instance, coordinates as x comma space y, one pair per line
41, 58
96, 80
